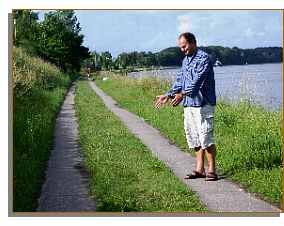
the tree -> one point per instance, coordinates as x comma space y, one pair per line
26, 29
123, 60
60, 41
106, 60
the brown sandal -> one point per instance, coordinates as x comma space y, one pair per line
195, 174
211, 176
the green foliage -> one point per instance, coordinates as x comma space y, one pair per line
237, 56
93, 62
31, 73
122, 60
39, 89
106, 60
170, 56
173, 56
253, 137
25, 26
137, 59
248, 137
60, 41
125, 176
56, 39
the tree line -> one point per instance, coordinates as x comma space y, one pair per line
55, 39
173, 57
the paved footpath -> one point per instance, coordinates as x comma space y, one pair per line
218, 196
66, 187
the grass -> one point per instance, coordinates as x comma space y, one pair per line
248, 138
38, 91
125, 176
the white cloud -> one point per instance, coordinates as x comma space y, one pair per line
199, 25
184, 23
232, 28
249, 33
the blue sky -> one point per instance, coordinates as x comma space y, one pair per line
153, 30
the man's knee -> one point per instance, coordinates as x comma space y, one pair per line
211, 149
197, 149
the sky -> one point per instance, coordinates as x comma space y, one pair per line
120, 31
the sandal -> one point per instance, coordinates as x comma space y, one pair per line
195, 174
211, 176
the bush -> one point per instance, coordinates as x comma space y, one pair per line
30, 73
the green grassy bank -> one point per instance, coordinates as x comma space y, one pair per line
124, 175
38, 91
248, 138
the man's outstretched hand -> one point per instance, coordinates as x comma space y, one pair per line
177, 99
161, 100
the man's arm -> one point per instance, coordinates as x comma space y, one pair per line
176, 87
199, 78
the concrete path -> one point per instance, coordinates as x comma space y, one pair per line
66, 187
218, 196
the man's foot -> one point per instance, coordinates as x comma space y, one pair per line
195, 174
211, 176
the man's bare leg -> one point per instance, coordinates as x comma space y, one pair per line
199, 159
199, 171
211, 154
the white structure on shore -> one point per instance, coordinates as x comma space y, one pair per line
218, 63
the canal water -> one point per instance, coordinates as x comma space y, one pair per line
261, 84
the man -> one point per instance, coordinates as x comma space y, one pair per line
88, 72
195, 89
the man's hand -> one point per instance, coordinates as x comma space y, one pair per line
161, 100
178, 98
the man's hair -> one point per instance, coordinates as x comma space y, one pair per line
190, 38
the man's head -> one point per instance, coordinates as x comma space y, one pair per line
187, 43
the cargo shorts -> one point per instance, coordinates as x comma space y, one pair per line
199, 126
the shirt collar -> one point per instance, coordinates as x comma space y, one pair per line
189, 58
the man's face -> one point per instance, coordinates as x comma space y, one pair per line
185, 47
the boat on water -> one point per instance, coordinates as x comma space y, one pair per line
218, 63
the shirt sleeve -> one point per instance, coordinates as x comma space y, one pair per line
177, 85
201, 74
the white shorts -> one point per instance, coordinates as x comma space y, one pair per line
199, 126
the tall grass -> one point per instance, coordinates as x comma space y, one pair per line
248, 137
38, 90
125, 176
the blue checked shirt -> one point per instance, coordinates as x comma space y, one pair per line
195, 80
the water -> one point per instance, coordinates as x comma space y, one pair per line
261, 84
